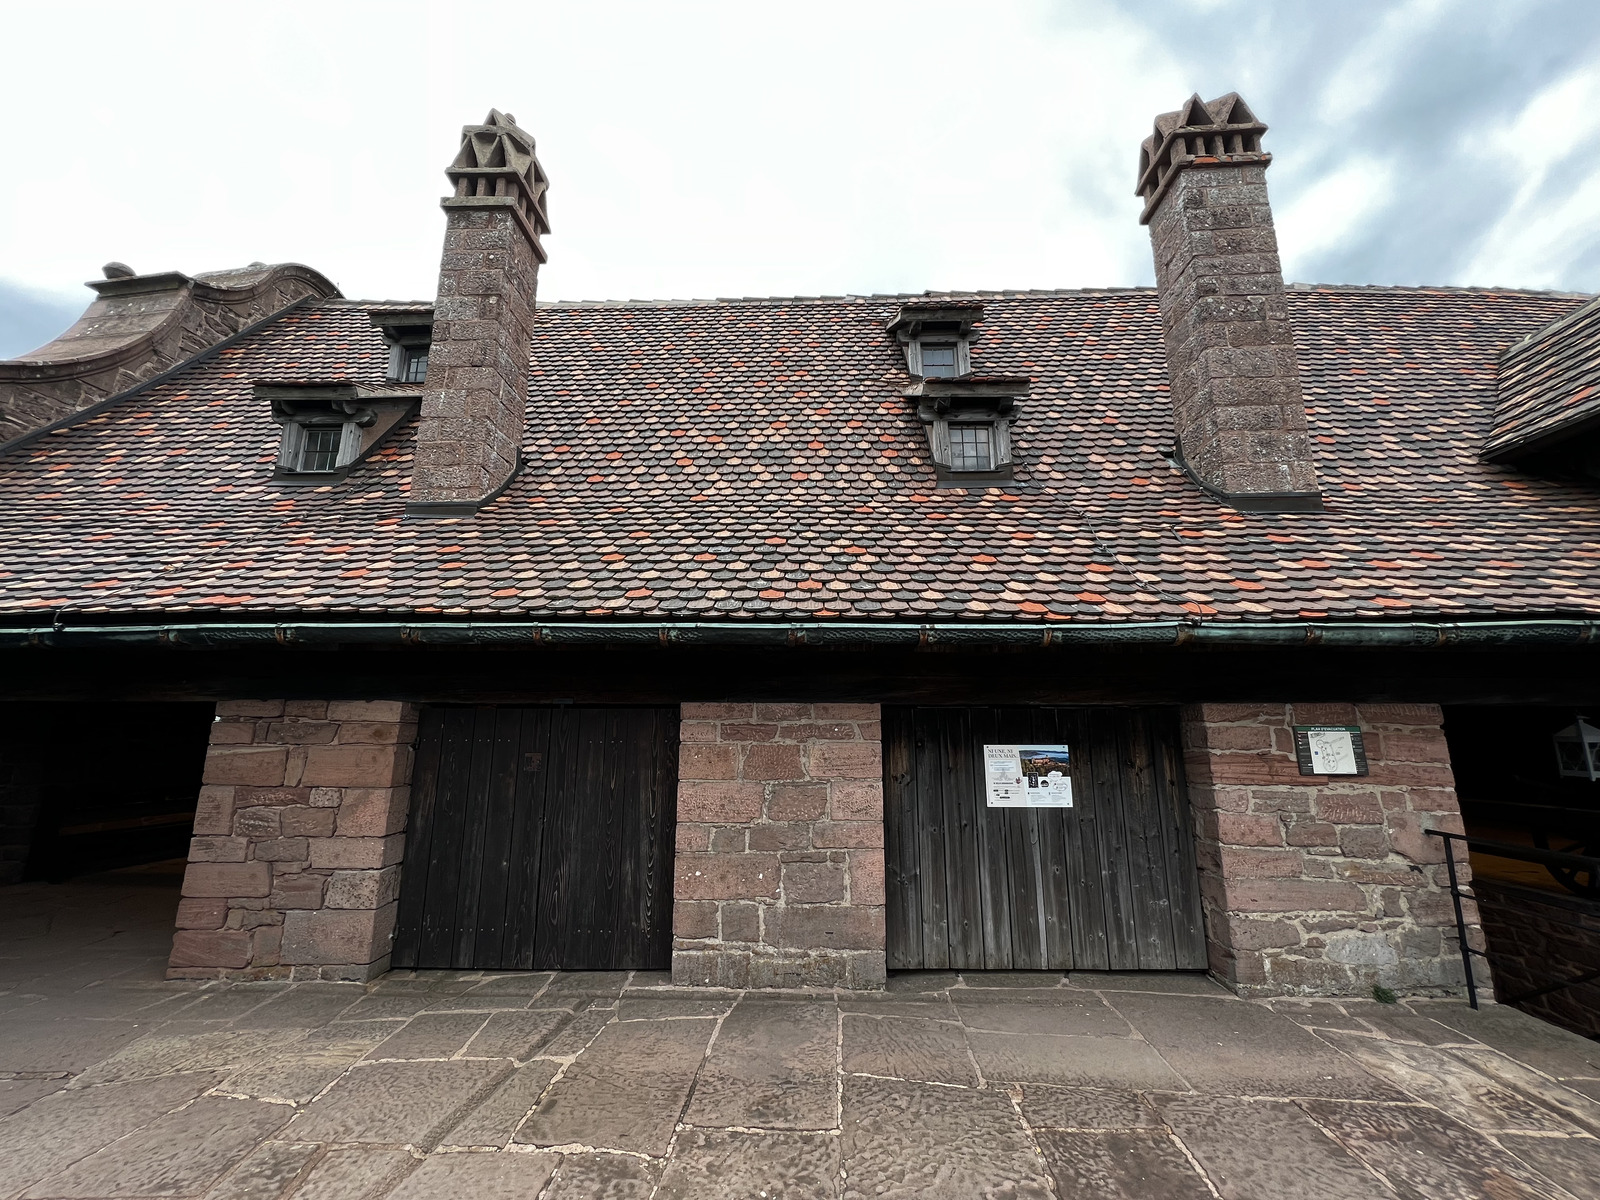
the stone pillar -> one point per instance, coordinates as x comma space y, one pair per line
294, 870
779, 872
1324, 885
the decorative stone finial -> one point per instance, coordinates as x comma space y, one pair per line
1220, 132
496, 167
118, 270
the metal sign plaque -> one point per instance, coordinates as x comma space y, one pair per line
1330, 750
1028, 776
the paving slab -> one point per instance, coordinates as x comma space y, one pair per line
714, 1164
354, 1173
493, 1121
1063, 1012
38, 1045
267, 1172
934, 1006
230, 1005
1227, 1048
1445, 1081
182, 1153
1266, 1148
406, 1103
1072, 1061
306, 1006
1573, 1163
514, 983
430, 1035
165, 1053
515, 1035
1424, 1153
904, 1140
636, 1007
1046, 1107
386, 1006
17, 1094
604, 1177
478, 1177
1014, 980
1173, 983
579, 1031
59, 1129
297, 1074
1541, 1045
1138, 1164
902, 982
626, 1091
907, 1048
587, 983
1318, 1014
1402, 1025
774, 1065
1581, 1110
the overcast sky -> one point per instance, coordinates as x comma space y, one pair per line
717, 149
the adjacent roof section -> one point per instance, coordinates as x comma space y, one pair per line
139, 326
758, 460
1549, 389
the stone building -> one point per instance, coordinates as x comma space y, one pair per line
789, 641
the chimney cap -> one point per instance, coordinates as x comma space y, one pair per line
118, 270
1211, 133
496, 167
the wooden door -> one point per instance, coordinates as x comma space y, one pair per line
540, 839
1109, 884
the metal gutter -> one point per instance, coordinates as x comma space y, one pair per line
1408, 635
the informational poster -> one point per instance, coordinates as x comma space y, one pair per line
1330, 750
1028, 776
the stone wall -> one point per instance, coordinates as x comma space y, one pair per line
779, 873
1322, 885
1537, 939
294, 869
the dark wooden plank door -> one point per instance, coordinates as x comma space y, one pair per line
1109, 884
540, 839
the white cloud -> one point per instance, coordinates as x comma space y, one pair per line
1325, 213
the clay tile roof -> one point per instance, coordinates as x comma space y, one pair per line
1549, 386
757, 460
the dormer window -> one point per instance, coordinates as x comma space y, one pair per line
409, 333
972, 447
937, 336
939, 360
968, 421
412, 366
325, 429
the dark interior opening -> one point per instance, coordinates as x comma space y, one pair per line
88, 787
1511, 789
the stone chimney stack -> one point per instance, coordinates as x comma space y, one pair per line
475, 398
1240, 417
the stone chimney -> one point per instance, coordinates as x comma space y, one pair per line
476, 393
1236, 400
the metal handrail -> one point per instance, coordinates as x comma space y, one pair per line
1549, 858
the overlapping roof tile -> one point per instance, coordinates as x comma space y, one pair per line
756, 460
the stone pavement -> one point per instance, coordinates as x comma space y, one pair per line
117, 1083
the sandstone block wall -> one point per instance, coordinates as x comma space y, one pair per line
779, 874
1322, 885
294, 870
1538, 939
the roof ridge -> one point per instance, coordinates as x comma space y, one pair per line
976, 293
